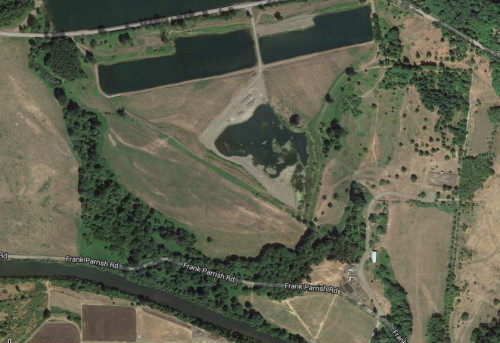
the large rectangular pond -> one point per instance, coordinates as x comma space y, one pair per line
68, 15
330, 31
196, 57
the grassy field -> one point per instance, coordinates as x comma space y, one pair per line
21, 309
479, 261
482, 97
180, 186
418, 241
318, 317
300, 87
38, 187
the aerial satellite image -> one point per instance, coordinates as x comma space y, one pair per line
215, 171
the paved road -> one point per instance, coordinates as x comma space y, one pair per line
140, 23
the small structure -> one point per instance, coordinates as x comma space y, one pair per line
348, 288
374, 256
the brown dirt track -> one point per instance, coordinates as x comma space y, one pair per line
418, 241
38, 172
56, 333
108, 323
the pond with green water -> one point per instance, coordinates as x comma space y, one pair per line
195, 57
268, 140
329, 31
68, 15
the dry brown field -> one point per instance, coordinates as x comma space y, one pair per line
300, 86
418, 241
108, 323
73, 301
56, 333
399, 131
38, 173
185, 189
479, 274
185, 111
156, 327
318, 317
482, 97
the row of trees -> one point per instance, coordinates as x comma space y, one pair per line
400, 316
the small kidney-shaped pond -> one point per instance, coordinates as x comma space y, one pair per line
270, 143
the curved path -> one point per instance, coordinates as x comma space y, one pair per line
77, 33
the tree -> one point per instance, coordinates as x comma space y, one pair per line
328, 98
294, 119
124, 38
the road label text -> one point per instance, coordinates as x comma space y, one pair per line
88, 260
4, 255
208, 272
312, 288
398, 336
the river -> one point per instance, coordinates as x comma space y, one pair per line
41, 269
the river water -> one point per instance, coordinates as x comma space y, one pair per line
41, 269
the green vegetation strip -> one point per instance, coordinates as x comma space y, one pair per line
400, 315
12, 12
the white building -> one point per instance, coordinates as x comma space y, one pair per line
374, 256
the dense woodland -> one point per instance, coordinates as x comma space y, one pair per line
487, 333
13, 11
130, 228
400, 316
479, 20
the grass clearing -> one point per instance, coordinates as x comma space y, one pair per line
418, 241
154, 170
479, 261
318, 317
300, 87
39, 175
482, 97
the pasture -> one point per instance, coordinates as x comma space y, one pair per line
418, 241
39, 174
